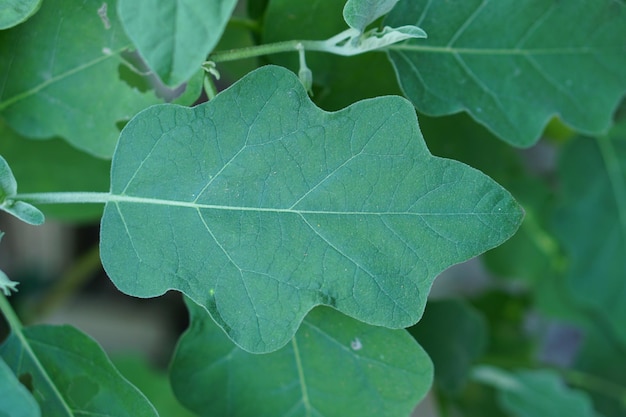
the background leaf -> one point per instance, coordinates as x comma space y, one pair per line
14, 12
70, 375
535, 393
514, 64
153, 383
53, 85
591, 223
16, 400
334, 366
454, 335
175, 37
260, 206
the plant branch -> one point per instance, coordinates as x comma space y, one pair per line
13, 321
266, 49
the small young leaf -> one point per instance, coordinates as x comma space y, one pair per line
591, 223
55, 166
175, 37
515, 64
16, 400
334, 366
14, 12
360, 13
259, 206
535, 393
8, 188
70, 375
60, 73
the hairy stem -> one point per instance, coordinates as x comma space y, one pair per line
63, 198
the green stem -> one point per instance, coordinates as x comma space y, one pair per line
595, 384
63, 198
209, 86
72, 280
9, 314
267, 49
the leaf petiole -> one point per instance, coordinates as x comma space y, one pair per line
63, 197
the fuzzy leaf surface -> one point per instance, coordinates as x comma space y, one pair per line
14, 12
8, 188
70, 374
16, 400
514, 64
591, 223
334, 366
259, 206
360, 13
175, 37
53, 85
535, 393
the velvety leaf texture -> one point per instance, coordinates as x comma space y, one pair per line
515, 64
591, 223
70, 375
259, 206
360, 13
53, 85
175, 37
334, 366
16, 400
536, 393
14, 12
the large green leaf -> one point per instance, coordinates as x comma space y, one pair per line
14, 12
334, 366
59, 75
175, 37
535, 393
16, 400
53, 165
591, 223
70, 375
454, 334
259, 206
514, 64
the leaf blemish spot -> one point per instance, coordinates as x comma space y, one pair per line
102, 13
356, 344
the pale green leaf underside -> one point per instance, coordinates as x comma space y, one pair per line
259, 206
14, 12
59, 76
70, 374
16, 400
360, 13
591, 223
334, 366
514, 64
175, 37
535, 393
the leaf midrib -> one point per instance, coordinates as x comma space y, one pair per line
174, 203
491, 51
34, 90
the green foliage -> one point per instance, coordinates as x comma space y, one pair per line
514, 64
311, 228
69, 374
174, 37
535, 393
14, 12
333, 366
